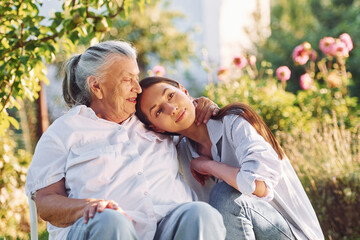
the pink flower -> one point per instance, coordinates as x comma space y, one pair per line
222, 73
283, 73
313, 55
240, 61
345, 38
326, 44
339, 49
300, 55
252, 60
159, 70
306, 81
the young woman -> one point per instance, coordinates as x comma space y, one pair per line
256, 189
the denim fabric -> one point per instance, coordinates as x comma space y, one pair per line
247, 217
191, 221
108, 224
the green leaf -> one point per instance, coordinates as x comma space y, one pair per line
74, 36
13, 121
24, 59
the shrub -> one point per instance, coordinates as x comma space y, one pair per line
324, 87
327, 161
276, 106
14, 220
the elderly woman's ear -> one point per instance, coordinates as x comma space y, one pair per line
94, 86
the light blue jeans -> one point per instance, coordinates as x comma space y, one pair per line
247, 217
191, 221
188, 221
109, 224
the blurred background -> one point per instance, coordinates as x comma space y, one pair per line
294, 61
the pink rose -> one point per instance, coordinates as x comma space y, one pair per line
345, 38
240, 61
339, 49
306, 81
313, 55
283, 73
159, 70
222, 73
300, 55
326, 44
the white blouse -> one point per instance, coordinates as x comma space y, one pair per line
235, 142
100, 159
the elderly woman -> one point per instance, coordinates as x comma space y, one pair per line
97, 173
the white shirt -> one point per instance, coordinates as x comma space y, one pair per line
100, 159
235, 142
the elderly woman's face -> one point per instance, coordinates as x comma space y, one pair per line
120, 87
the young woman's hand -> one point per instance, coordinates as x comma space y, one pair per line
199, 169
204, 109
203, 167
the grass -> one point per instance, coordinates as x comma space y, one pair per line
327, 160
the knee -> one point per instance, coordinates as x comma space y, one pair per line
223, 196
111, 219
201, 211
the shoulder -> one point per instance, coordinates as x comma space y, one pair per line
236, 127
136, 126
233, 121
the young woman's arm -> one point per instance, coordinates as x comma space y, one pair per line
202, 167
260, 166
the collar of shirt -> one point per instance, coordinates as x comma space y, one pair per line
89, 113
215, 130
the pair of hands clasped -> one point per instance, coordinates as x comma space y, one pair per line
204, 110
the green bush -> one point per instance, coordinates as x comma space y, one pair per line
276, 106
14, 213
327, 161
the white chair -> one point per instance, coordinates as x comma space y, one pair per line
33, 220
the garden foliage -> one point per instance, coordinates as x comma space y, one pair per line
28, 42
293, 22
14, 220
318, 126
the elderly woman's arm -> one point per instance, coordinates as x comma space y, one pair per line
54, 206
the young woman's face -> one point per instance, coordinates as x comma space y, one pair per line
168, 108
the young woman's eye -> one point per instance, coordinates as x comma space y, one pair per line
158, 112
171, 95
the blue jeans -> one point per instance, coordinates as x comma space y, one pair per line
193, 220
109, 224
247, 217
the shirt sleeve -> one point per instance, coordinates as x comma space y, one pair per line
48, 163
257, 159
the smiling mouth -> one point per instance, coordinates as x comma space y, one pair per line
132, 100
180, 116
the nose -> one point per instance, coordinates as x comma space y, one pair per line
136, 87
170, 108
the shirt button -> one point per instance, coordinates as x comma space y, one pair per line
139, 173
146, 193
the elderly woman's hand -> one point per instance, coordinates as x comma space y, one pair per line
98, 205
204, 108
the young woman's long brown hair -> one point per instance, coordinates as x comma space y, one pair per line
241, 109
